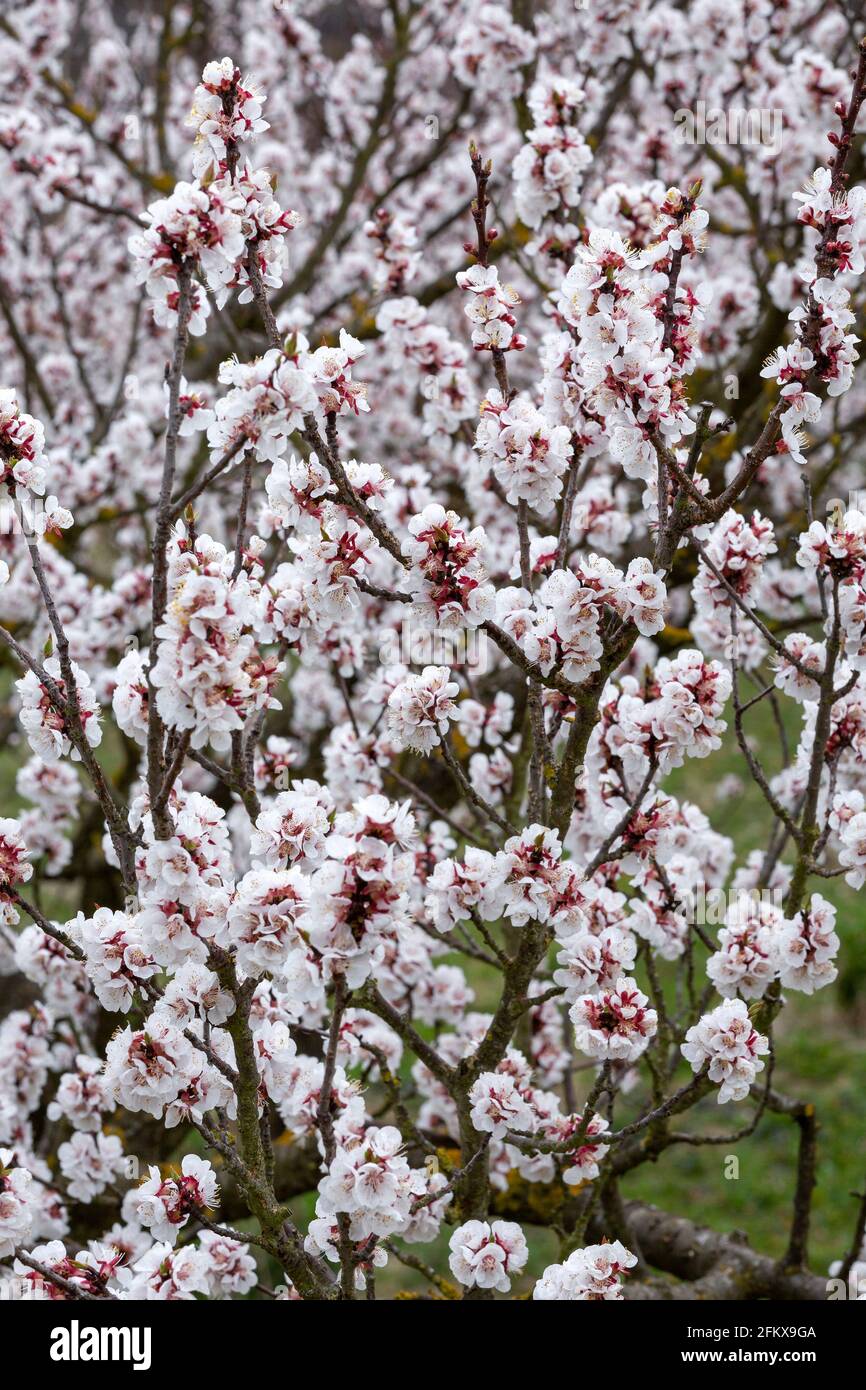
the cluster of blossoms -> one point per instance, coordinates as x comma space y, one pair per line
15, 867
193, 229
159, 1071
267, 401
164, 1206
848, 819
80, 1097
525, 881
216, 1266
527, 455
162, 1274
596, 929
225, 113
88, 1162
489, 310
397, 259
370, 1182
209, 675
492, 722
725, 1042
312, 603
676, 714
270, 398
43, 715
841, 218
614, 1026
837, 550
359, 897
634, 348
799, 668
737, 551
758, 945
486, 1255
498, 1105
807, 947
445, 574
526, 1123
560, 628
15, 1203
824, 350
210, 227
54, 790
490, 49
22, 447
747, 960
90, 1272
548, 170
591, 1274
420, 707
598, 953
116, 956
292, 828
